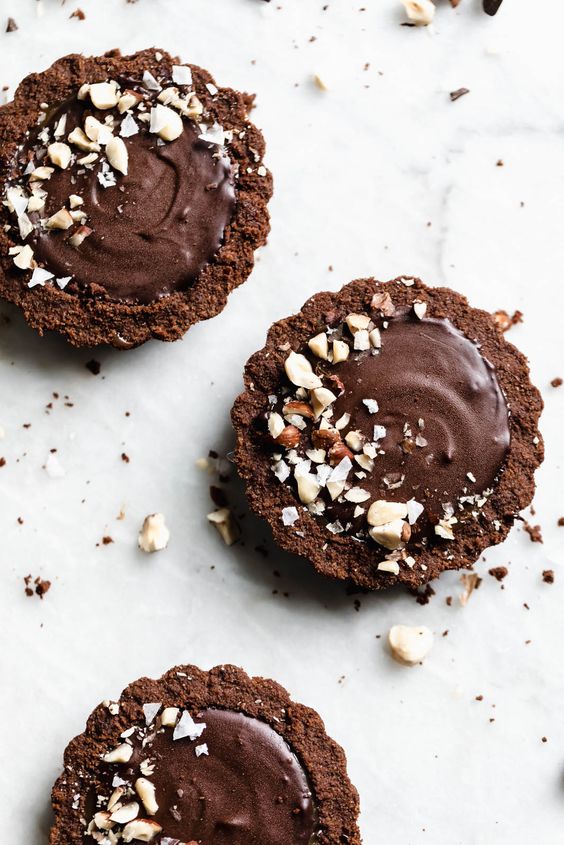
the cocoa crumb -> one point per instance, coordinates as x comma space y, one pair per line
78, 13
561, 521
505, 322
107, 540
544, 739
94, 366
556, 382
498, 572
479, 698
424, 596
41, 586
11, 25
2, 462
125, 458
548, 576
534, 532
448, 600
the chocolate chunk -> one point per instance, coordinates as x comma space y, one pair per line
491, 6
94, 366
411, 463
198, 754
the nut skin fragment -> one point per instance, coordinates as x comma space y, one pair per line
289, 438
410, 645
337, 452
302, 409
154, 534
324, 438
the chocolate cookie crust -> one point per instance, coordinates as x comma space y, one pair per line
460, 534
242, 699
92, 315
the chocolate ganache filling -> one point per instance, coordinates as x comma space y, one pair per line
147, 232
236, 783
406, 410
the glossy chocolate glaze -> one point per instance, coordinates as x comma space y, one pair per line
153, 231
426, 371
249, 789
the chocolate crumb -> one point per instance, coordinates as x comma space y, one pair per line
79, 14
11, 26
498, 572
548, 576
125, 458
479, 698
107, 540
544, 739
561, 521
556, 382
448, 600
2, 462
424, 597
41, 586
534, 532
93, 366
460, 92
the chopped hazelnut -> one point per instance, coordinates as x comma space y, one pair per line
341, 351
410, 645
300, 372
319, 345
154, 534
60, 154
225, 524
381, 512
117, 155
104, 95
60, 220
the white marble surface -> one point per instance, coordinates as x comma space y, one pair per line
360, 170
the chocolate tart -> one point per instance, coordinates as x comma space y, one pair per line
203, 758
388, 432
133, 197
